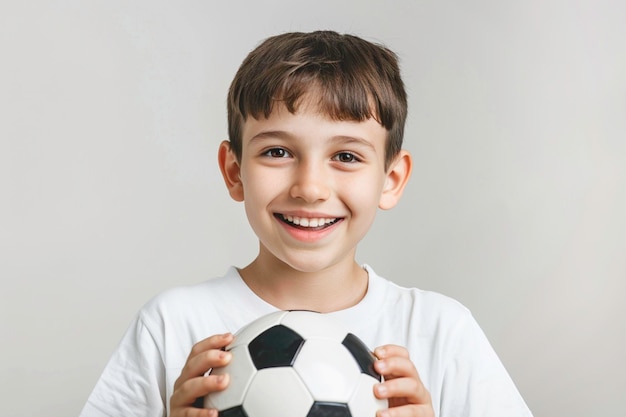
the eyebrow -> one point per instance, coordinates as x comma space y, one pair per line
266, 134
341, 139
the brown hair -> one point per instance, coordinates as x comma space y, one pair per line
353, 79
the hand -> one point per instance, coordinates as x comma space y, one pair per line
192, 384
403, 388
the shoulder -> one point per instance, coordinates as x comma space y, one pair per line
189, 296
216, 305
185, 308
408, 316
416, 300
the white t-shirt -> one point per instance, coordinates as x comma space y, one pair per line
451, 353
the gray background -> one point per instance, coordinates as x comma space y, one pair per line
111, 113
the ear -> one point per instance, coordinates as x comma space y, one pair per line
229, 166
398, 176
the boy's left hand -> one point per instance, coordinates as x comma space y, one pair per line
403, 388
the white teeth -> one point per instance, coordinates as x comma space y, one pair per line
308, 222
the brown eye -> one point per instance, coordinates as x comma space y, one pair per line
346, 157
276, 153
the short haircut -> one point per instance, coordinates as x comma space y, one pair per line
352, 78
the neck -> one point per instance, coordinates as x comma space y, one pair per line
335, 288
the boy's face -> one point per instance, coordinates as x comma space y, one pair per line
311, 185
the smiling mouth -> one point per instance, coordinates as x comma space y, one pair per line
307, 223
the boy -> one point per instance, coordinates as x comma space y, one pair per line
315, 126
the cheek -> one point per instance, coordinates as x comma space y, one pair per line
365, 191
260, 190
259, 187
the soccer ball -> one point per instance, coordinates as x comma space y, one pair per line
297, 364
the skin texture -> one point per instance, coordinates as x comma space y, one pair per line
311, 187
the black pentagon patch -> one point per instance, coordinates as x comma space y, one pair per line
329, 409
237, 411
276, 346
362, 354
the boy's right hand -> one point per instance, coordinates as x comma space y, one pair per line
192, 384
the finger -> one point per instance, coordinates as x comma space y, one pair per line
186, 394
406, 390
199, 360
396, 367
409, 410
218, 341
388, 351
199, 364
193, 412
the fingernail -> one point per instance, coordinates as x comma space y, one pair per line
381, 389
381, 366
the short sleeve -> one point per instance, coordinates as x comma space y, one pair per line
133, 381
475, 382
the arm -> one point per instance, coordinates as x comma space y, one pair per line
475, 383
133, 381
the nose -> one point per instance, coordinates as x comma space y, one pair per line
311, 183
